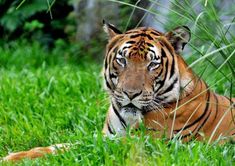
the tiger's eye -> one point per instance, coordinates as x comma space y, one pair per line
152, 66
121, 61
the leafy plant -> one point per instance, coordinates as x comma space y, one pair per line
15, 17
33, 25
43, 20
213, 41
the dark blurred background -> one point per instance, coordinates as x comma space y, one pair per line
53, 23
77, 24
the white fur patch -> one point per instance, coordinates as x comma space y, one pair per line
64, 146
131, 117
186, 83
116, 124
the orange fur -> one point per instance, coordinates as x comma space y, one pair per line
184, 112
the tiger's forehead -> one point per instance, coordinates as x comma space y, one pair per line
140, 50
141, 43
143, 31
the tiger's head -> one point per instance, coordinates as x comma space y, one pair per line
141, 66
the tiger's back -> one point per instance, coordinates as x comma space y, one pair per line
201, 117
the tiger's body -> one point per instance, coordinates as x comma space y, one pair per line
170, 99
150, 83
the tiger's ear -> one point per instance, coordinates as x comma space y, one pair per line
110, 30
179, 37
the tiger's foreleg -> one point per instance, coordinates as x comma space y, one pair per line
117, 121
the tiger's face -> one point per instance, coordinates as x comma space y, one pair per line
141, 70
137, 70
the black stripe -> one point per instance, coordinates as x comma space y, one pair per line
163, 53
161, 83
155, 33
152, 52
156, 82
164, 79
170, 87
113, 28
167, 46
172, 67
135, 48
205, 120
135, 35
198, 119
131, 42
110, 60
106, 82
161, 43
108, 76
105, 64
142, 35
148, 36
149, 44
112, 75
126, 47
119, 117
109, 128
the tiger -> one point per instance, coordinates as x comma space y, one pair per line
149, 83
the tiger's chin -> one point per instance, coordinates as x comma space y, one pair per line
131, 114
133, 108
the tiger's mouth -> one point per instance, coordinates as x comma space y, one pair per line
131, 108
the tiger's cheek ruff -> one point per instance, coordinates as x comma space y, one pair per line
110, 76
114, 55
167, 87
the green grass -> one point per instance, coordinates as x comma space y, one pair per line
47, 99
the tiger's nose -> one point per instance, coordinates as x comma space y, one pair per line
132, 94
